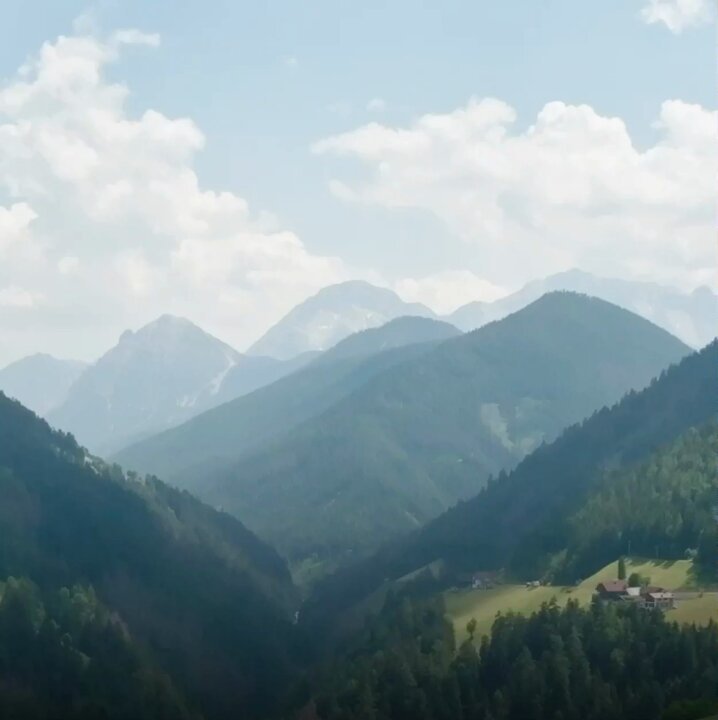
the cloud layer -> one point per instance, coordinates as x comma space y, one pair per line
572, 189
677, 15
102, 213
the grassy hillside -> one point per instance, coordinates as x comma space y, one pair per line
185, 454
424, 433
484, 605
208, 602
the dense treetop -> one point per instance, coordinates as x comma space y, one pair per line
601, 663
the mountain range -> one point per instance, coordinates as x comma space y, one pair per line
331, 315
223, 434
340, 310
392, 452
692, 317
118, 400
154, 378
403, 458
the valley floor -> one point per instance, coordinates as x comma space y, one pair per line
483, 605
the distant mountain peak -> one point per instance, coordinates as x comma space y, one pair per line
167, 325
689, 316
332, 314
155, 377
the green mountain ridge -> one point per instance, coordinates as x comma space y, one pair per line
183, 455
414, 439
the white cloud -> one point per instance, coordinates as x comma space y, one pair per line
16, 297
677, 15
571, 190
15, 225
446, 291
104, 209
376, 105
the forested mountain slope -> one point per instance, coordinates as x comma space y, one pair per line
422, 434
184, 455
208, 601
665, 506
523, 521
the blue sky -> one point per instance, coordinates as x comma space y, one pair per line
265, 82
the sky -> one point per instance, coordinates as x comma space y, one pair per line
223, 160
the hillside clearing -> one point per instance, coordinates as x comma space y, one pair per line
484, 605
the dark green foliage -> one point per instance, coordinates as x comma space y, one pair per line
209, 601
62, 655
601, 663
621, 568
415, 438
408, 648
523, 521
660, 508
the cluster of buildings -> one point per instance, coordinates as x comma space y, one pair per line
647, 596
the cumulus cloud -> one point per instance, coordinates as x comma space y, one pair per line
677, 15
573, 189
101, 210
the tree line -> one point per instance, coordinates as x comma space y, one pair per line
603, 662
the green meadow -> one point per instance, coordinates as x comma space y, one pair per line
484, 605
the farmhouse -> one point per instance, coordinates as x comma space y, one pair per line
648, 596
612, 589
662, 600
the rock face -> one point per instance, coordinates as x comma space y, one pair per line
40, 382
331, 315
152, 379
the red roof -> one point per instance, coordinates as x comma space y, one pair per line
613, 586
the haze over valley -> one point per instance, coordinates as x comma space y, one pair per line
358, 361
